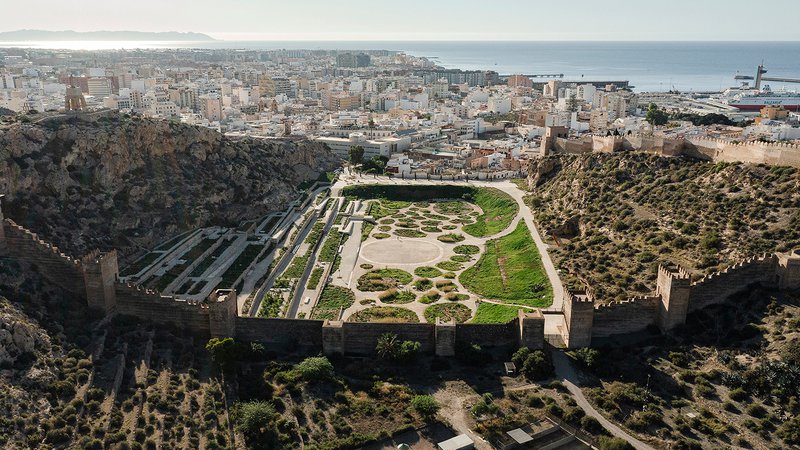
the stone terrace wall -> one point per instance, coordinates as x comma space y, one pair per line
280, 332
489, 335
717, 287
625, 317
361, 338
149, 305
57, 267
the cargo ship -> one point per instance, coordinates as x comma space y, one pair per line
751, 100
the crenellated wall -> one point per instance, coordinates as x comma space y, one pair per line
753, 152
717, 287
145, 304
625, 317
55, 266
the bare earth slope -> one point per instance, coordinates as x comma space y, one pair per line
128, 183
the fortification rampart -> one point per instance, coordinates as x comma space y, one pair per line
710, 149
717, 287
625, 317
54, 265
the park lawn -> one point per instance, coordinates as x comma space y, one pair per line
510, 271
499, 209
491, 313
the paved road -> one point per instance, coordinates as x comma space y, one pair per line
566, 372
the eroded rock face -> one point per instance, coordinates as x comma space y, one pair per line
541, 170
127, 183
17, 335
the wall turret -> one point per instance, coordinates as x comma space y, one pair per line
674, 287
100, 273
578, 319
789, 270
222, 308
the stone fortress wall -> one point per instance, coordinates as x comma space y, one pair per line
752, 152
676, 296
95, 277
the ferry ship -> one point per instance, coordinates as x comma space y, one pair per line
751, 100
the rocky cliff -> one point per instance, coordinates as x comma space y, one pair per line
127, 183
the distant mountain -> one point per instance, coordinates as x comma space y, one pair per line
69, 35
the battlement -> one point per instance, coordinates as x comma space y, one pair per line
628, 302
43, 245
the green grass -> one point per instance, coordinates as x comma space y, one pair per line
139, 265
491, 313
467, 249
499, 209
384, 314
241, 263
427, 272
297, 267
448, 312
409, 233
461, 258
383, 279
451, 238
366, 229
396, 296
510, 271
430, 297
330, 247
423, 284
449, 265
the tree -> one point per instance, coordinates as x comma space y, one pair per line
315, 369
258, 422
572, 104
390, 347
656, 116
356, 154
223, 352
586, 357
425, 405
537, 366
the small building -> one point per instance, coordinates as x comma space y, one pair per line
460, 442
511, 369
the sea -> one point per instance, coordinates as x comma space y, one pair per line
648, 66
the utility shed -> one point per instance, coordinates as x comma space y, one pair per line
460, 442
520, 436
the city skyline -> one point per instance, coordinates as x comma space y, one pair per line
442, 21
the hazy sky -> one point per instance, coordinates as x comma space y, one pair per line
421, 19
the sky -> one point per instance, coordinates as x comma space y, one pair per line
376, 20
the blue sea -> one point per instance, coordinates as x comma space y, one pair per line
649, 66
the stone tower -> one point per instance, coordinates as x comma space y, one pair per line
74, 100
531, 329
100, 271
673, 286
788, 268
578, 319
222, 309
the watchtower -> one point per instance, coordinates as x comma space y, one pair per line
222, 313
674, 287
100, 271
74, 100
578, 319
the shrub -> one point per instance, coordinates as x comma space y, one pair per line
427, 272
613, 443
425, 405
315, 369
257, 421
390, 347
467, 249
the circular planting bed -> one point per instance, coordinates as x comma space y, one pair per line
450, 265
397, 296
447, 312
381, 236
384, 314
409, 233
430, 297
451, 238
467, 249
383, 280
427, 272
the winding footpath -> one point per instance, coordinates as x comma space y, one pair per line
569, 377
